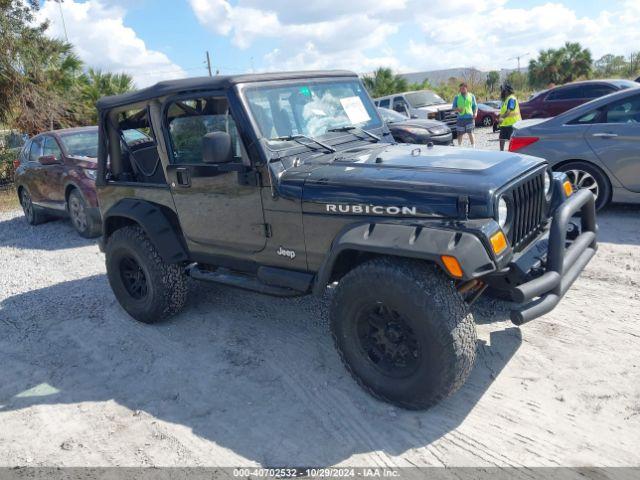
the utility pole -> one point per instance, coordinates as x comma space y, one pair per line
518, 57
64, 25
208, 63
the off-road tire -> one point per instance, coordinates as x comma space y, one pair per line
33, 214
440, 319
86, 225
166, 284
604, 185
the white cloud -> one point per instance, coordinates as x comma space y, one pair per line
491, 38
314, 34
360, 34
103, 41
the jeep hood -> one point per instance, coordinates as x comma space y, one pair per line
401, 175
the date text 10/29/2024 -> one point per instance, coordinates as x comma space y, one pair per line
305, 472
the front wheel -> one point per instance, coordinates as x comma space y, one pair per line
487, 121
583, 175
403, 331
82, 221
147, 287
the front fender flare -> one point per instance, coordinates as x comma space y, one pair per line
409, 241
154, 222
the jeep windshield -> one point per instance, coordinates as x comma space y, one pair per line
314, 109
423, 99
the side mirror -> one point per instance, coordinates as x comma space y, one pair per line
48, 160
217, 148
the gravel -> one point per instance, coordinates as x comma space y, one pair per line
244, 379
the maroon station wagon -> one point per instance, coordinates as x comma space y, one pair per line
55, 176
557, 100
56, 172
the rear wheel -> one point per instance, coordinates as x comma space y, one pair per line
82, 221
583, 175
403, 332
147, 287
32, 213
487, 121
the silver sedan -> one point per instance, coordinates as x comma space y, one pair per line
596, 144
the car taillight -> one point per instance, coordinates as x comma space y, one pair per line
517, 143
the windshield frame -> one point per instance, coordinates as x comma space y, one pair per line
327, 137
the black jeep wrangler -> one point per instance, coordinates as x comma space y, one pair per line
287, 183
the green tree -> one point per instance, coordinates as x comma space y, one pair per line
384, 82
42, 84
95, 84
610, 65
562, 65
493, 79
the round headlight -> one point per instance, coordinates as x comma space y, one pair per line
547, 185
503, 212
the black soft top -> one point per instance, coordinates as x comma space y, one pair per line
172, 87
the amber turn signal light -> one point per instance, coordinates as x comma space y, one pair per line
498, 242
568, 189
452, 265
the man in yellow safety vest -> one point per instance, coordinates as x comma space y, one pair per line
509, 113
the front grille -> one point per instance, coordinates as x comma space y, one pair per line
529, 211
447, 116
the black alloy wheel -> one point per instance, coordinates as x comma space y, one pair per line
387, 341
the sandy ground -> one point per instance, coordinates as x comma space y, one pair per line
243, 379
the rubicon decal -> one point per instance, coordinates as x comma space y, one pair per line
371, 209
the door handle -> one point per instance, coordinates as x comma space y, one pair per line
604, 135
183, 177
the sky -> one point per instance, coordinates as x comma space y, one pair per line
156, 40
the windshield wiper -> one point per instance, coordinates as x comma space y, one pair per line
296, 138
348, 128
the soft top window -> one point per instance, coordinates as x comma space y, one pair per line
190, 120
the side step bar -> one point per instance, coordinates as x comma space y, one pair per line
291, 283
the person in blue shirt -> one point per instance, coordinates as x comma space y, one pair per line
465, 104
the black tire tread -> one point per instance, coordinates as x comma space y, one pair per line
457, 325
171, 277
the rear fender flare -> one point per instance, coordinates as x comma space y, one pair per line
154, 221
408, 241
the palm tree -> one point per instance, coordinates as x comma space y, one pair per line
95, 84
384, 82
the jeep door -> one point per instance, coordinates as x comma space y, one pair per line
220, 210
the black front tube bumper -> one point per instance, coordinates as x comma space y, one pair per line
564, 264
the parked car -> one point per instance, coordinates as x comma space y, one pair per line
487, 115
596, 144
415, 130
420, 104
552, 102
497, 104
55, 176
285, 183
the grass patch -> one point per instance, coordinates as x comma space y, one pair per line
8, 199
